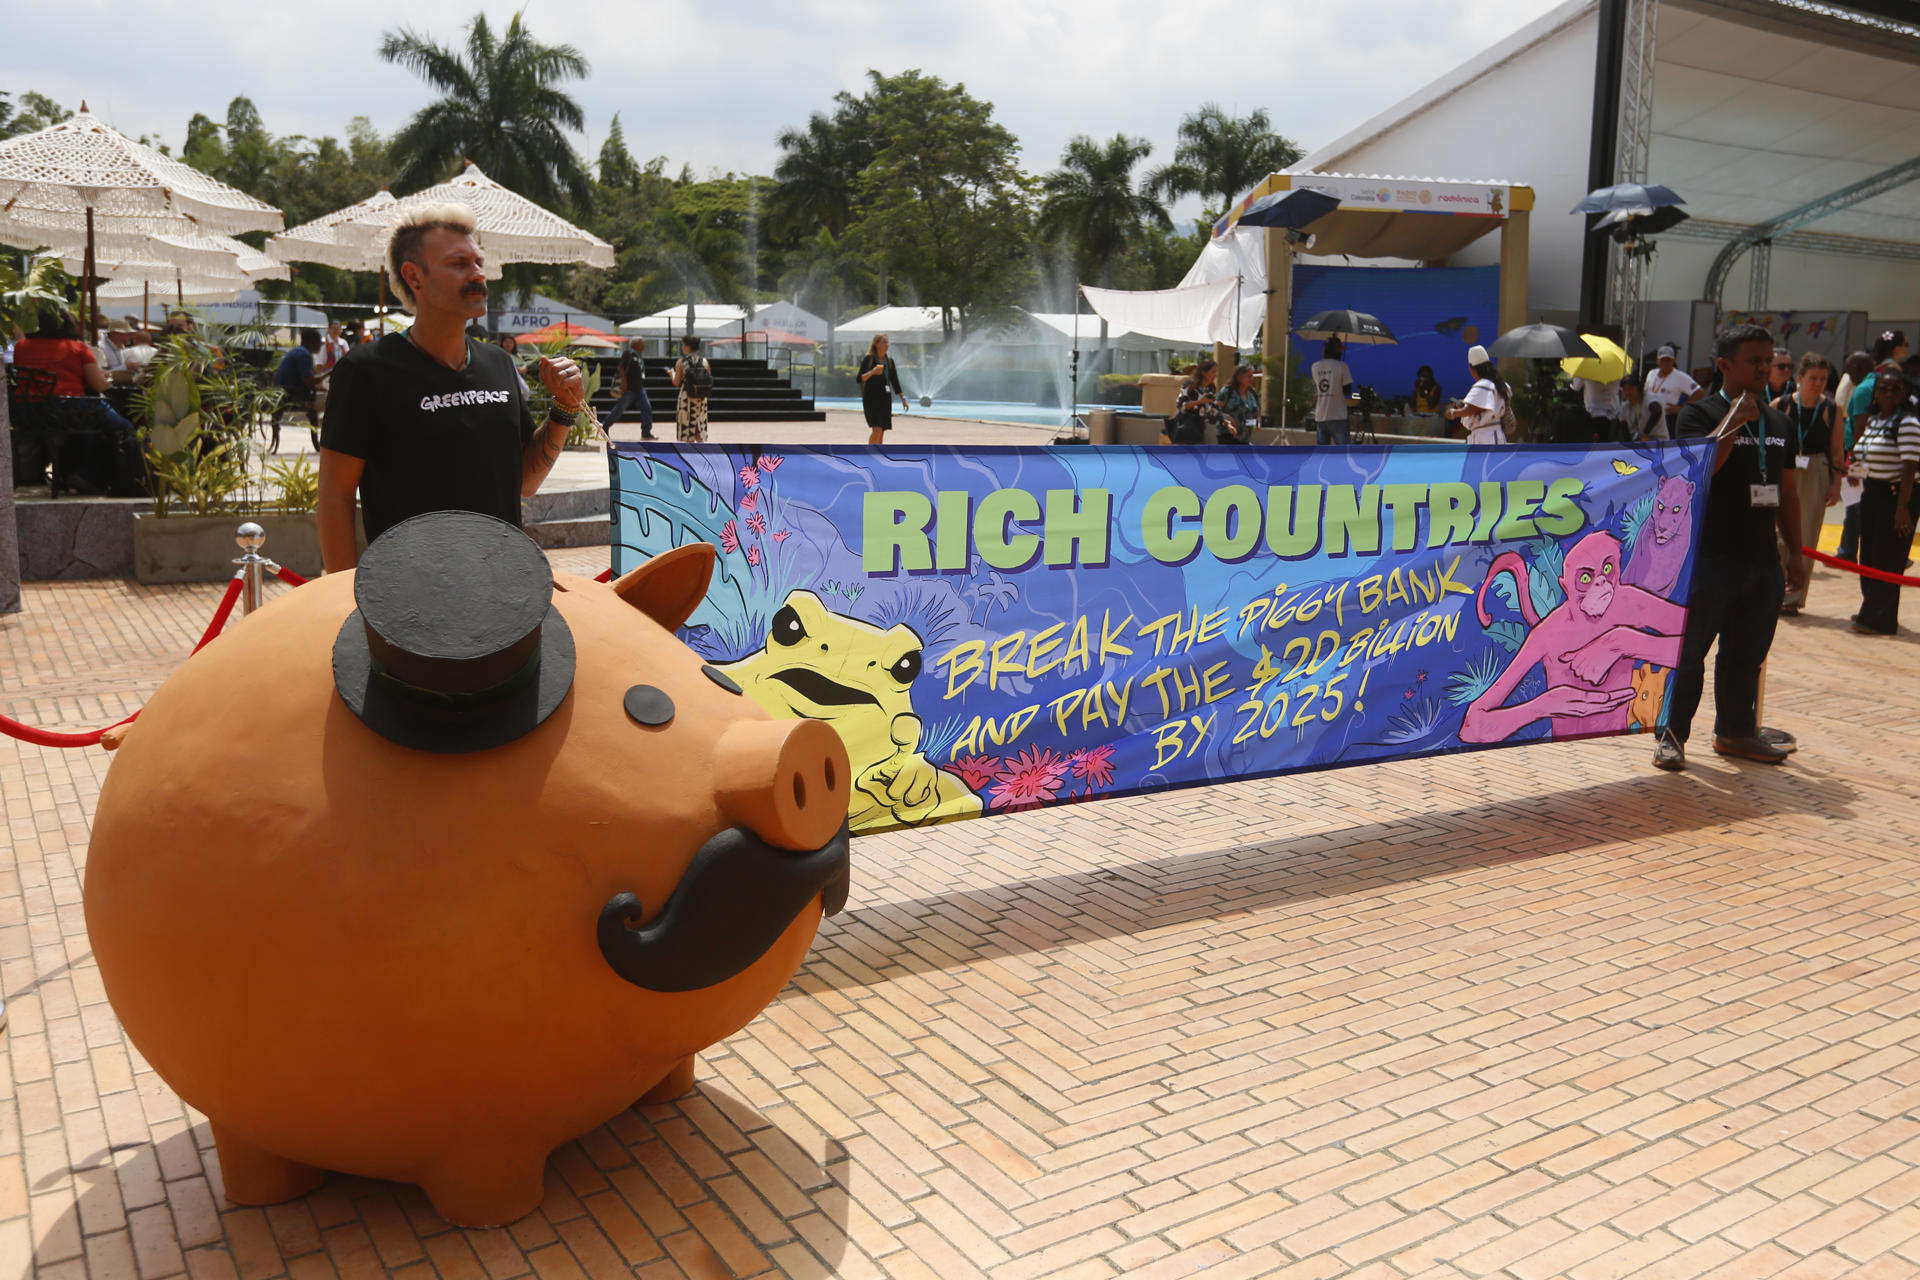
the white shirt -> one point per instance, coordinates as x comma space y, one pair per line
1331, 378
1483, 426
1670, 390
332, 351
1602, 398
110, 358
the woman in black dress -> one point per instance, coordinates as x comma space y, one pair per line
877, 374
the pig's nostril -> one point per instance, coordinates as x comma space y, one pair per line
799, 790
831, 784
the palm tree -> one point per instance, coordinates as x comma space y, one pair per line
500, 108
1090, 200
819, 166
1222, 156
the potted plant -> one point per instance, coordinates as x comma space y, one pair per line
202, 407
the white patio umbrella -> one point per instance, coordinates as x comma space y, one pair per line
83, 181
509, 227
330, 240
218, 267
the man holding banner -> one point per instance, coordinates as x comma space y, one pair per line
1738, 583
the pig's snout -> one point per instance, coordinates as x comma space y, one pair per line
786, 781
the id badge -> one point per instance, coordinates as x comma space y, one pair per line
1763, 495
1801, 461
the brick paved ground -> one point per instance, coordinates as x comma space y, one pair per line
1535, 1013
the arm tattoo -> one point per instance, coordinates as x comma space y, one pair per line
544, 450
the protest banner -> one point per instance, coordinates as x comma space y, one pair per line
995, 629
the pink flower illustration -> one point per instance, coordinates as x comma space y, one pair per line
757, 523
730, 536
1094, 763
750, 503
750, 478
1030, 779
753, 555
771, 462
977, 771
781, 535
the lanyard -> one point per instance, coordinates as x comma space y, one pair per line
1757, 429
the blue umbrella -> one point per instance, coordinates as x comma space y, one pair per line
1628, 195
1294, 209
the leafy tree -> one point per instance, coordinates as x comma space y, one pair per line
617, 168
1091, 202
34, 112
1220, 157
944, 200
500, 107
826, 271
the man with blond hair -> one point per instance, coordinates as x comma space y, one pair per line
428, 419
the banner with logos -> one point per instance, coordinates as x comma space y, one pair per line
994, 629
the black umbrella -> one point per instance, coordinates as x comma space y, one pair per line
1293, 209
1630, 224
1540, 342
1348, 326
1628, 195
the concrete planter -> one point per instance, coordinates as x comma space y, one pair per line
182, 548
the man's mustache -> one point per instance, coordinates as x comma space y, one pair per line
475, 290
737, 897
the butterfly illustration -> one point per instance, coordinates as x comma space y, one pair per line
1625, 468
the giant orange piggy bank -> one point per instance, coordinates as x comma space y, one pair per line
422, 871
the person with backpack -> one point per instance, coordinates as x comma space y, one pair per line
633, 389
877, 376
694, 376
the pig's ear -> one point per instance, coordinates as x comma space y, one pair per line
669, 587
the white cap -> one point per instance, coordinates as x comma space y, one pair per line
1666, 353
1477, 356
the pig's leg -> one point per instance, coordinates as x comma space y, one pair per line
487, 1185
674, 1084
253, 1176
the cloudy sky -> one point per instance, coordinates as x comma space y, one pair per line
711, 84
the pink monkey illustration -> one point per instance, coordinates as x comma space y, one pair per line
1660, 552
1586, 645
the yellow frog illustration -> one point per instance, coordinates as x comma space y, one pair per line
821, 665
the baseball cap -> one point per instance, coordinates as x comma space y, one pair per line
1477, 356
1666, 353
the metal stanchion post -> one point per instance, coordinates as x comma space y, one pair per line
251, 537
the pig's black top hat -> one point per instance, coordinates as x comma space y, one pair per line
456, 645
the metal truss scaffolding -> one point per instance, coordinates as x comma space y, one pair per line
1627, 264
1763, 234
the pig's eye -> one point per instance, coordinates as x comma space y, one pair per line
787, 628
720, 678
649, 706
907, 668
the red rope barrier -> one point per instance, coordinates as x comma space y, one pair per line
47, 738
1835, 562
605, 575
288, 576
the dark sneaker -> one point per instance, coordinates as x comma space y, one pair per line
1669, 755
1753, 747
1860, 628
1779, 738
1789, 610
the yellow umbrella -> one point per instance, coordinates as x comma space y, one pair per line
1610, 364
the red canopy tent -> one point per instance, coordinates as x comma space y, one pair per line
567, 331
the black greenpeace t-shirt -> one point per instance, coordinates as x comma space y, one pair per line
1734, 526
432, 439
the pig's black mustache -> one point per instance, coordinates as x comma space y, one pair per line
737, 897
